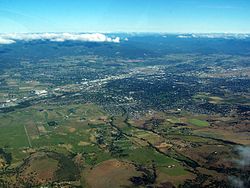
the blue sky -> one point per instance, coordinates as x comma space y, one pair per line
203, 16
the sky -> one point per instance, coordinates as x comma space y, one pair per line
170, 16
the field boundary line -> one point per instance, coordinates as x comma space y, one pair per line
27, 135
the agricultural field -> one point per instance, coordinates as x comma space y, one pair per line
148, 151
124, 115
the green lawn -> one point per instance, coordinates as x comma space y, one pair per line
145, 155
174, 171
13, 136
199, 123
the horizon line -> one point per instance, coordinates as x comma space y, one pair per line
127, 32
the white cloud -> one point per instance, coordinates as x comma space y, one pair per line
215, 35
116, 40
244, 153
6, 41
183, 36
57, 37
222, 35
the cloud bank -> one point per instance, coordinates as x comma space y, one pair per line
56, 37
216, 35
6, 41
243, 162
244, 153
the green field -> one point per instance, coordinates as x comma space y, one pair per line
199, 123
86, 135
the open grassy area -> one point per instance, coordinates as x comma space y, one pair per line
87, 131
199, 123
174, 170
13, 136
146, 155
26, 128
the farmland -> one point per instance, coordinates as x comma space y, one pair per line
147, 117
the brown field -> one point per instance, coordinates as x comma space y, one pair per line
72, 129
211, 155
102, 175
227, 134
175, 180
40, 169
